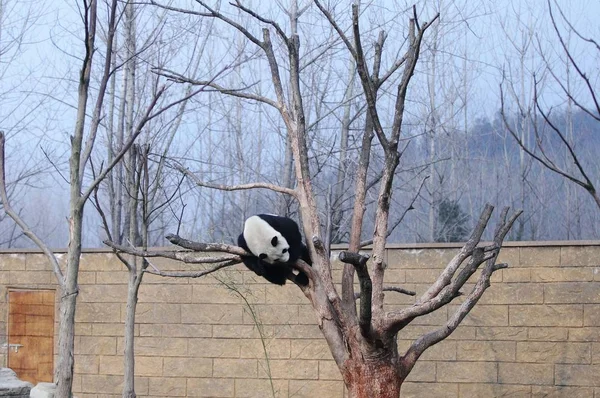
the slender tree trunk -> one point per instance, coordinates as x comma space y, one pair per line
133, 287
66, 340
135, 275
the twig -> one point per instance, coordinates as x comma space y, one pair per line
221, 187
396, 289
189, 274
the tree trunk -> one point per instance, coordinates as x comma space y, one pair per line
66, 343
129, 354
372, 378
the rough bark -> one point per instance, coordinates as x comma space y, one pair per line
367, 378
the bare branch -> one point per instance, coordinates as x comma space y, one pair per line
589, 185
361, 190
422, 343
274, 24
183, 256
337, 28
127, 145
546, 163
367, 82
212, 13
465, 252
444, 290
237, 92
396, 289
359, 261
189, 274
206, 247
575, 64
254, 185
412, 56
399, 221
95, 121
20, 222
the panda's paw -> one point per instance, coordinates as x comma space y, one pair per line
301, 279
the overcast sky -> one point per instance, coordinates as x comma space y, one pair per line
38, 81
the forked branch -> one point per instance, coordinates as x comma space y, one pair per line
359, 261
419, 346
446, 289
221, 187
483, 282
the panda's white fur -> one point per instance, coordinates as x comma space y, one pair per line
275, 243
265, 242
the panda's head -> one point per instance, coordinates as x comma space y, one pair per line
265, 242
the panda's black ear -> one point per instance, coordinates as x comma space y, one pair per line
274, 241
262, 256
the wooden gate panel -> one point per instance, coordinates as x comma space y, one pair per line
31, 334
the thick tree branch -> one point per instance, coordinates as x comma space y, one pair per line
205, 247
359, 261
444, 290
465, 252
412, 56
183, 256
361, 191
404, 213
419, 346
367, 82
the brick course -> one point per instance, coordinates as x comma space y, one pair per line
535, 333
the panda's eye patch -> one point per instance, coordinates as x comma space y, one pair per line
262, 256
284, 251
274, 241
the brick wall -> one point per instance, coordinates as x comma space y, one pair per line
535, 333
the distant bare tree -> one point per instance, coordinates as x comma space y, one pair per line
586, 101
17, 18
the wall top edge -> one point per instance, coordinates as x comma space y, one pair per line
454, 245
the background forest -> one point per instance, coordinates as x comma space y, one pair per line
457, 148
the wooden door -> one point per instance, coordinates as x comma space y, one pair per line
31, 334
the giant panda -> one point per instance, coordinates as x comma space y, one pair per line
276, 244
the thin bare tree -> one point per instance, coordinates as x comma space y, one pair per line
83, 141
574, 169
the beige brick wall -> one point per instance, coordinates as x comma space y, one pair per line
535, 333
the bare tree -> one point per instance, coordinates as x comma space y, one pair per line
16, 22
139, 205
541, 151
363, 342
82, 144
